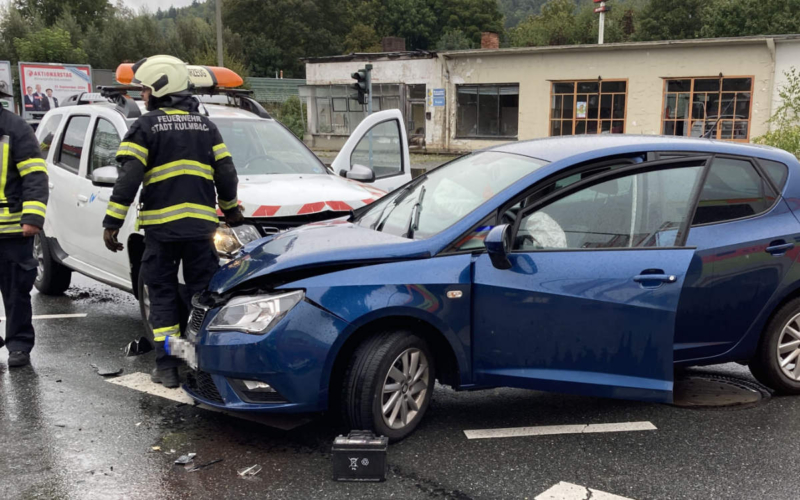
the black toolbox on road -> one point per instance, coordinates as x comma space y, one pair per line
359, 456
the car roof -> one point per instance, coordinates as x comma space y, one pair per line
554, 149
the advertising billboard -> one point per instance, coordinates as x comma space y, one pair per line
5, 76
46, 85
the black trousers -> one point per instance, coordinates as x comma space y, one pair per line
17, 274
160, 264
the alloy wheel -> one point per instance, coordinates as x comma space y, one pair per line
38, 254
405, 388
789, 348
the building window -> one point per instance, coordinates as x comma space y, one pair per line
717, 108
338, 114
588, 107
487, 111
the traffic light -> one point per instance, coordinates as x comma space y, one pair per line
361, 86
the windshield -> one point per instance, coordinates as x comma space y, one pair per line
437, 200
262, 147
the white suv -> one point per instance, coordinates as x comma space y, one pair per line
282, 184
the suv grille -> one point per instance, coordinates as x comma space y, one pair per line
203, 385
196, 319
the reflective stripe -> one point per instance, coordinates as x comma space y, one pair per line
34, 208
32, 165
10, 229
4, 141
171, 111
116, 210
133, 149
6, 218
227, 205
175, 212
161, 334
220, 152
176, 168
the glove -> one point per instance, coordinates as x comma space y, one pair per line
110, 239
234, 217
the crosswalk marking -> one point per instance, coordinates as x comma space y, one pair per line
53, 316
569, 491
548, 430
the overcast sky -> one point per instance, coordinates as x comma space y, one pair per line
153, 5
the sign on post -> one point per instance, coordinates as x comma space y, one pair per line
5, 76
44, 86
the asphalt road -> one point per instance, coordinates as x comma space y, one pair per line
68, 433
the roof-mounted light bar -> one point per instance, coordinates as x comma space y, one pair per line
200, 76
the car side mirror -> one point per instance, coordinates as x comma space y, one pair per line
359, 173
498, 245
105, 176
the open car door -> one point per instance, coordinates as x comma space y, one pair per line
377, 152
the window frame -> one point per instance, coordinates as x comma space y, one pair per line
689, 119
399, 134
89, 167
478, 136
57, 160
599, 94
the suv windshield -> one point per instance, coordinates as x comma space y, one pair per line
437, 200
263, 147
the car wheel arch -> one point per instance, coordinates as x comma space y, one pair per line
448, 368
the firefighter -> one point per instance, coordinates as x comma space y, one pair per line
23, 202
179, 156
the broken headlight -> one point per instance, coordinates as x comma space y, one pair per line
229, 240
255, 315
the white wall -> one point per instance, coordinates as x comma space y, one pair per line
787, 56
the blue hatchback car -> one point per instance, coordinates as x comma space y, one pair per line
584, 265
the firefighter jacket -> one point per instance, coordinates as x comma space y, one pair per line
23, 179
179, 156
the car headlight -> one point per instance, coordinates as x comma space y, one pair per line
257, 314
230, 240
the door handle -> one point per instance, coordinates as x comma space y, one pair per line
779, 247
51, 185
654, 280
82, 198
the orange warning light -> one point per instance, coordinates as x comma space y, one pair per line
200, 76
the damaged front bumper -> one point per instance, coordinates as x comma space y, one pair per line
285, 370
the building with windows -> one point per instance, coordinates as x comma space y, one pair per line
723, 88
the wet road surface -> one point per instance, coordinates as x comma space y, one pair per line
68, 433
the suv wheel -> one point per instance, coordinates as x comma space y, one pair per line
388, 385
777, 360
144, 307
52, 278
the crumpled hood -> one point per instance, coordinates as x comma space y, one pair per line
314, 245
284, 195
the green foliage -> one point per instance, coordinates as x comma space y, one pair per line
750, 17
471, 17
785, 122
516, 11
671, 20
48, 45
292, 113
454, 40
362, 38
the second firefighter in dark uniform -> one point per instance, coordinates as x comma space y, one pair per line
180, 158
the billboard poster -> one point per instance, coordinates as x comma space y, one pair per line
5, 76
45, 85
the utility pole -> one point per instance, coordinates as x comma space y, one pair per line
602, 28
219, 34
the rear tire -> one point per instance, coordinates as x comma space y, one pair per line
766, 364
52, 278
393, 370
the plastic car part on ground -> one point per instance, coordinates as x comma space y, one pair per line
249, 471
209, 464
185, 459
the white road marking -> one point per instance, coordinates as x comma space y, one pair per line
53, 316
569, 491
547, 430
141, 382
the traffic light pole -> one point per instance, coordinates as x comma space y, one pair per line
368, 67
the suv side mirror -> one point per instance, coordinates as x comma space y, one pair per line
105, 176
359, 173
498, 245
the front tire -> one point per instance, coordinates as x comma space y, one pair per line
389, 384
52, 278
777, 360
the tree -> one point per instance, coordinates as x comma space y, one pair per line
750, 17
785, 122
48, 45
671, 20
471, 17
454, 40
85, 11
516, 11
362, 38
556, 25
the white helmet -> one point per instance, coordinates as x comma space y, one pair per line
162, 74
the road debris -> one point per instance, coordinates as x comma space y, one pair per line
194, 469
249, 471
137, 347
156, 448
106, 371
185, 459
